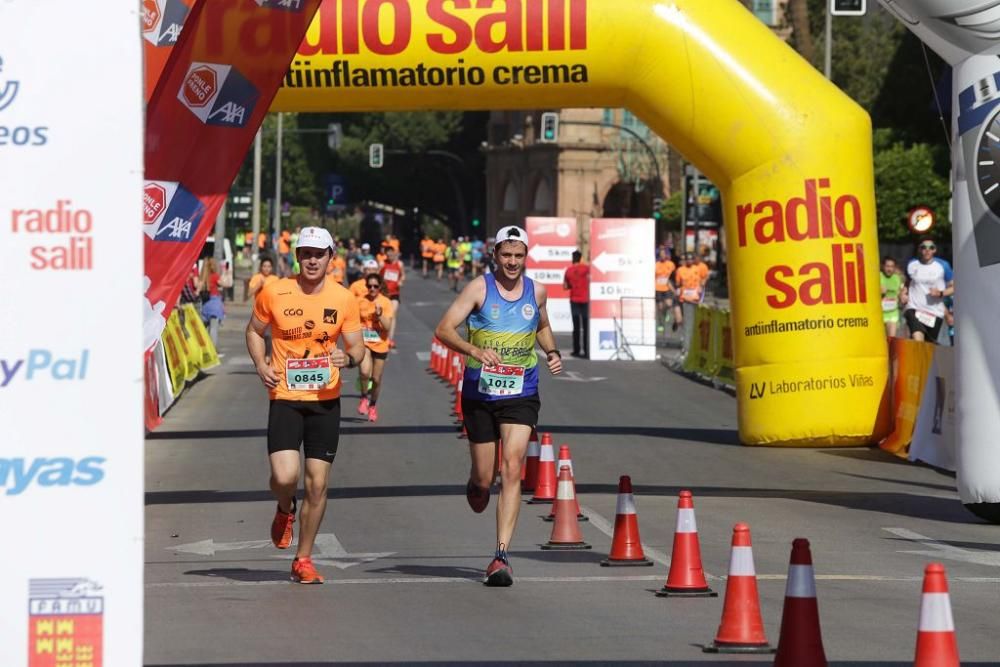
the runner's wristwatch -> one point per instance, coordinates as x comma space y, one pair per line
551, 352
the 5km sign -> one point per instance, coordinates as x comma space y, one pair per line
553, 241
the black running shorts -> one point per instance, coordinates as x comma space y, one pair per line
930, 333
312, 424
483, 418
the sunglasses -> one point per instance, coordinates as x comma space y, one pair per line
928, 246
373, 286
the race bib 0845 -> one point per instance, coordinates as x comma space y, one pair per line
307, 374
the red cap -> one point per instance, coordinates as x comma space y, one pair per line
624, 484
800, 552
564, 452
564, 474
935, 580
685, 502
741, 535
546, 438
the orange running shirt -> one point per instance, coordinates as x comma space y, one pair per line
358, 288
427, 248
376, 338
285, 242
439, 249
702, 269
689, 278
299, 324
336, 269
259, 281
663, 272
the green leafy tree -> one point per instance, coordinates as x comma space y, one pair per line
905, 178
672, 211
298, 184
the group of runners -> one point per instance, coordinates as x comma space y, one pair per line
319, 328
678, 288
462, 257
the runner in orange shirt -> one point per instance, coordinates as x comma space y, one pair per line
358, 288
337, 270
307, 314
426, 254
264, 277
689, 284
664, 288
285, 252
438, 257
377, 319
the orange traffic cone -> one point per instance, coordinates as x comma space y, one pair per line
457, 408
545, 487
800, 642
529, 473
742, 628
431, 360
686, 577
457, 369
566, 460
626, 548
565, 531
936, 644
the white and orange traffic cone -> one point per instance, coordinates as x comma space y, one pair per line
742, 628
800, 642
545, 487
626, 547
433, 358
687, 576
566, 460
936, 643
529, 473
457, 408
565, 531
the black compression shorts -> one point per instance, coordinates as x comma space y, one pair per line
315, 425
483, 418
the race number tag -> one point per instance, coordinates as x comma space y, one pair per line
691, 294
662, 281
307, 374
889, 305
391, 276
927, 319
501, 380
371, 336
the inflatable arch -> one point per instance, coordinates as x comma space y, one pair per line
790, 152
966, 34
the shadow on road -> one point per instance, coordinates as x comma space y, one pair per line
431, 571
241, 574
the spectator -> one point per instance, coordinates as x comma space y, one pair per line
577, 281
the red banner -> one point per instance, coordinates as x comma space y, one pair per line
162, 21
553, 241
214, 92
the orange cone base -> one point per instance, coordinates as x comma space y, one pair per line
667, 592
615, 562
565, 546
541, 501
549, 517
722, 647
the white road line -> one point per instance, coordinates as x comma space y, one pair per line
603, 525
946, 551
423, 356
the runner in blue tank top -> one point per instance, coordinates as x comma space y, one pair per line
505, 315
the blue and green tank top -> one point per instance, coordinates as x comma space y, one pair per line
509, 328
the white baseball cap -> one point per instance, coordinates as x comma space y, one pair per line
314, 237
370, 264
365, 246
512, 233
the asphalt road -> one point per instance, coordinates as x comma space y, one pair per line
404, 555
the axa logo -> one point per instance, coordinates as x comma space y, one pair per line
41, 364
757, 390
17, 475
218, 94
170, 212
162, 21
8, 93
287, 5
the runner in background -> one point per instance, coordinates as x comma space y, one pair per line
426, 254
688, 280
377, 319
453, 259
264, 277
438, 258
929, 282
478, 248
465, 249
664, 288
337, 270
393, 276
358, 287
891, 286
213, 312
285, 253
505, 315
308, 316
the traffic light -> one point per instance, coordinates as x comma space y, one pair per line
848, 7
475, 222
657, 208
375, 156
550, 127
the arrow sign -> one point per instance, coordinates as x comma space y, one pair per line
210, 547
551, 253
947, 551
547, 276
329, 550
612, 262
573, 376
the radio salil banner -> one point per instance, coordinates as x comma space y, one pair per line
553, 241
71, 399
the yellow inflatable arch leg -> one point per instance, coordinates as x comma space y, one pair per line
790, 152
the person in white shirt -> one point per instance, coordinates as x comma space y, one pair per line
929, 281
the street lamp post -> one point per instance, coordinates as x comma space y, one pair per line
255, 213
277, 179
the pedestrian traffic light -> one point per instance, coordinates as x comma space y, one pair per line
475, 222
657, 208
550, 127
375, 156
848, 7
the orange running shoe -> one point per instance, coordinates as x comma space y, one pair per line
363, 406
372, 413
281, 527
304, 572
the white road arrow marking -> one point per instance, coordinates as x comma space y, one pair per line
551, 253
329, 550
946, 551
210, 547
610, 262
423, 356
573, 376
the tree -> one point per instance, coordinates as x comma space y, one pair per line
298, 185
905, 178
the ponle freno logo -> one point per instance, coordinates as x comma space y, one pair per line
17, 135
218, 94
162, 21
170, 212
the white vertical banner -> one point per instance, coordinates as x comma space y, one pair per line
71, 465
553, 241
622, 286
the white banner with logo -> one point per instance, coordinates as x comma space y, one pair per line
553, 241
71, 465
